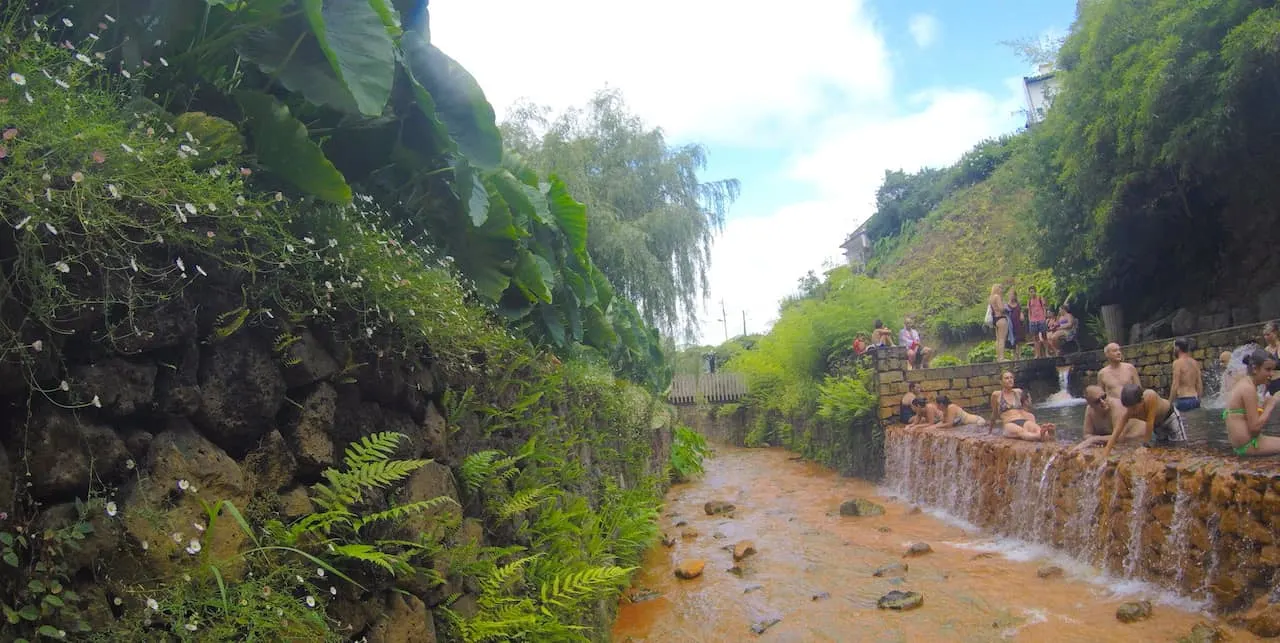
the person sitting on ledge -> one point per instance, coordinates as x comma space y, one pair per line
881, 336
1188, 385
953, 415
1146, 406
905, 412
1101, 417
927, 413
1244, 418
917, 353
1011, 412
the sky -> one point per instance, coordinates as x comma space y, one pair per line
806, 106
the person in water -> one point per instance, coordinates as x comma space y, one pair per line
1011, 412
1116, 373
1188, 383
905, 412
1160, 421
954, 415
1271, 335
1101, 417
1244, 417
926, 412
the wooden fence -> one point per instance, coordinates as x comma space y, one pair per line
707, 388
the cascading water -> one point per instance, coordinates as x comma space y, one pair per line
1136, 516
1214, 396
1063, 396
1180, 530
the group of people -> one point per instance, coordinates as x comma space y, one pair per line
1034, 323
918, 355
1120, 410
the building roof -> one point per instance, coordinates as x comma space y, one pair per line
1039, 77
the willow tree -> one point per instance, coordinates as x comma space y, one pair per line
651, 219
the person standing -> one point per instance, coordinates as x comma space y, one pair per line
1116, 373
1187, 386
999, 319
1037, 320
1271, 334
1015, 320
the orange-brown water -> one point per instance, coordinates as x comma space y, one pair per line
790, 509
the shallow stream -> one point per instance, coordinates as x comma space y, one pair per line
812, 572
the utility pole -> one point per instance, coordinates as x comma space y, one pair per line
744, 323
724, 317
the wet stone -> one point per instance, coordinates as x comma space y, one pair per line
689, 533
820, 596
668, 541
900, 600
914, 511
682, 523
884, 529
643, 594
1203, 633
691, 568
762, 626
918, 549
737, 570
754, 587
1050, 571
1134, 611
892, 569
743, 549
860, 507
719, 535
714, 507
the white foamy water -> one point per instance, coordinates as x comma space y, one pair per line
1214, 396
1063, 396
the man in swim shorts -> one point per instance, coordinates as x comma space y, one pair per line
1188, 385
1163, 423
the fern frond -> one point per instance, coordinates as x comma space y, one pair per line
594, 582
375, 447
318, 523
400, 512
370, 554
378, 475
504, 574
525, 500
477, 467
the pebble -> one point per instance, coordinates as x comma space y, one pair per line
900, 600
1134, 611
918, 549
760, 627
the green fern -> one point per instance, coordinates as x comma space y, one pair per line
372, 448
400, 512
525, 500
479, 468
594, 582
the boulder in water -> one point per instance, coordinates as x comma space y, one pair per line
821, 596
892, 569
714, 507
1134, 611
668, 541
918, 549
1203, 633
1049, 571
743, 549
900, 600
1264, 622
763, 625
860, 507
689, 533
691, 568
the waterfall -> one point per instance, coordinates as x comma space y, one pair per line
1215, 373
1136, 517
1180, 531
1063, 396
1041, 530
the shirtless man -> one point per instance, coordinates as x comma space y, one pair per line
1101, 417
1117, 372
1158, 419
1187, 386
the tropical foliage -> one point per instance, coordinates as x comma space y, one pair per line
651, 217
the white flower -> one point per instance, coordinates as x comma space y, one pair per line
84, 59
201, 271
133, 263
333, 243
190, 138
18, 79
191, 627
64, 386
193, 547
311, 601
111, 509
153, 605
19, 225
95, 36
145, 545
309, 241
368, 332
117, 601
298, 577
126, 148
320, 572
67, 22
130, 464
240, 200
176, 536
333, 590
212, 207
108, 17
62, 634
183, 484
164, 62
279, 612
97, 403
125, 73
62, 267
115, 192
198, 526
279, 196
61, 83
190, 208
180, 264
52, 230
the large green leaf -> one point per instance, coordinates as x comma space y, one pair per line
525, 199
298, 63
471, 191
599, 333
220, 140
458, 100
553, 322
604, 289
534, 276
358, 46
569, 214
281, 144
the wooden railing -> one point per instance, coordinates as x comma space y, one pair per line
707, 388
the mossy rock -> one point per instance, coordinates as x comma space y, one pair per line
860, 507
900, 600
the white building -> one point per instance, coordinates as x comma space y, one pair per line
857, 248
1039, 91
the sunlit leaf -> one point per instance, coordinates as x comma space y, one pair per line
459, 102
359, 48
281, 144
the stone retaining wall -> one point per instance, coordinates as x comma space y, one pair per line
971, 385
1200, 525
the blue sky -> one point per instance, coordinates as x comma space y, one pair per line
806, 106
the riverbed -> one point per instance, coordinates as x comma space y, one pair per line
811, 578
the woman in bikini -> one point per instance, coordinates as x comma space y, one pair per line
1271, 335
1011, 411
953, 415
927, 413
1245, 419
998, 319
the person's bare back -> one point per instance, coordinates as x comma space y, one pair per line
1187, 382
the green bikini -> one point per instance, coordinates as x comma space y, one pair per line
1251, 444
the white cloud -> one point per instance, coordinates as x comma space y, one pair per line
759, 260
721, 70
924, 28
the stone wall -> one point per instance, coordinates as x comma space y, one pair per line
1200, 525
971, 385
